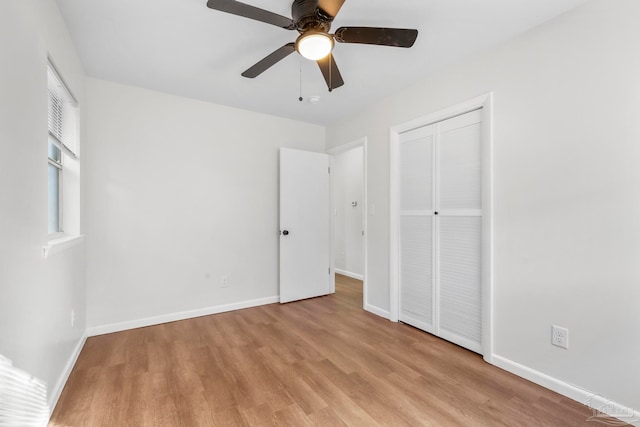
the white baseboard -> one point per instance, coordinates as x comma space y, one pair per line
600, 404
377, 311
64, 376
172, 317
349, 274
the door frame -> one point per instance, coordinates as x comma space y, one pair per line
486, 103
361, 142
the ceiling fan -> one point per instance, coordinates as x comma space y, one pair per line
312, 19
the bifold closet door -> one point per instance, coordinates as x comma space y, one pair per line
441, 229
417, 155
459, 231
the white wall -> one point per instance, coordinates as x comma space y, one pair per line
182, 192
348, 181
36, 294
566, 205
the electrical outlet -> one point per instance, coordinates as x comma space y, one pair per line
560, 336
73, 318
224, 282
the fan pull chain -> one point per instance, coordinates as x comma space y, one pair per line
300, 99
330, 67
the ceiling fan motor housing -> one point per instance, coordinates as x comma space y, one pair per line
308, 16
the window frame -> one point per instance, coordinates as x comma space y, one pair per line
63, 139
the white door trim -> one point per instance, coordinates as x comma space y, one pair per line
486, 103
361, 142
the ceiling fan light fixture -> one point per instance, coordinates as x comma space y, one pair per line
314, 45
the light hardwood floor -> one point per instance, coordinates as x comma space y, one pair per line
322, 361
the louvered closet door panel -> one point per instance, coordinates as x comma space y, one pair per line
416, 272
460, 280
440, 254
460, 173
416, 170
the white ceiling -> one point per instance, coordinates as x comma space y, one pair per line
184, 48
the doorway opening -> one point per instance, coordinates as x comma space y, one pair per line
348, 215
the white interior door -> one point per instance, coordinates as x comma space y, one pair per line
417, 228
305, 227
440, 231
459, 231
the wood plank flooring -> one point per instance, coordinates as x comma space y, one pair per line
322, 361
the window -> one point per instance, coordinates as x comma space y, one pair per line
62, 148
55, 173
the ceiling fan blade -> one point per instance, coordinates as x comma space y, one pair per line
330, 7
251, 12
399, 37
330, 72
269, 60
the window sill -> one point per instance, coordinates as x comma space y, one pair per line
55, 246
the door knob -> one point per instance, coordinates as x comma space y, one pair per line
285, 232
